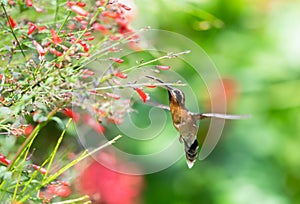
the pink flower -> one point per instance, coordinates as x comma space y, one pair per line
114, 96
80, 11
39, 48
42, 170
162, 67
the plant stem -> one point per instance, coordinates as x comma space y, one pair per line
73, 200
30, 138
12, 30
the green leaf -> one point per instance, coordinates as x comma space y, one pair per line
60, 123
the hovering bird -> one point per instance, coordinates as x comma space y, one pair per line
185, 121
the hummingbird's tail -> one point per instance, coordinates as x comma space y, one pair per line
191, 153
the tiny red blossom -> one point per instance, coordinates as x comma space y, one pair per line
151, 86
110, 14
29, 3
38, 168
100, 27
162, 67
90, 38
87, 33
12, 22
80, 11
144, 96
114, 96
70, 3
28, 130
39, 48
32, 28
55, 38
4, 160
71, 114
116, 60
120, 75
41, 28
81, 4
56, 52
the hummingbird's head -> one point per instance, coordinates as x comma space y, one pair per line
176, 96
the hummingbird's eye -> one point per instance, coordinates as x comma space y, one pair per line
179, 96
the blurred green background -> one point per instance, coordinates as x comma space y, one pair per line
256, 44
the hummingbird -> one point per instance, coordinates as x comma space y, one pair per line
186, 122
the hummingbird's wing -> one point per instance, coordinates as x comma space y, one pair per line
201, 116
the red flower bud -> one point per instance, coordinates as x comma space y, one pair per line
71, 114
29, 3
121, 75
32, 28
116, 60
55, 38
12, 22
144, 96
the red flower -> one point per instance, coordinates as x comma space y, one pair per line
116, 60
71, 114
120, 75
93, 123
32, 28
42, 170
151, 86
81, 4
55, 38
29, 3
144, 96
80, 11
39, 48
28, 130
110, 14
4, 160
41, 28
162, 67
55, 52
101, 28
90, 38
104, 185
61, 189
12, 22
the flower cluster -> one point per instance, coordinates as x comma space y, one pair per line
51, 55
